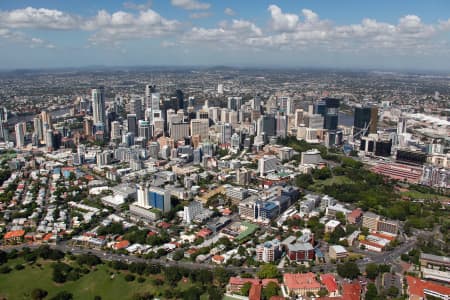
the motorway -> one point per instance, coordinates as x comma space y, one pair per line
388, 257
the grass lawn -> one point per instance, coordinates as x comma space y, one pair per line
416, 195
19, 284
335, 179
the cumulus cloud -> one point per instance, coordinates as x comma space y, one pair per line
190, 4
230, 12
281, 21
41, 18
135, 6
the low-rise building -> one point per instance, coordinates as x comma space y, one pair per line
337, 252
301, 284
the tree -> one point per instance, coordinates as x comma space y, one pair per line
178, 255
348, 270
304, 181
322, 292
172, 275
268, 271
271, 289
214, 293
221, 275
372, 271
38, 294
3, 257
392, 291
372, 293
129, 277
245, 289
63, 295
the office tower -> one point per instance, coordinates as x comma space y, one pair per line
401, 125
46, 118
281, 125
233, 118
98, 105
135, 107
224, 115
286, 105
180, 99
38, 129
200, 127
20, 129
132, 124
235, 141
149, 89
365, 118
267, 164
266, 125
4, 123
87, 127
202, 114
144, 130
329, 109
153, 197
49, 139
299, 117
256, 104
179, 131
314, 121
224, 133
234, 103
115, 130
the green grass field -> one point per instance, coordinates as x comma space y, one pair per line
19, 284
335, 179
416, 195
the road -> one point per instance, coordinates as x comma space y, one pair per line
382, 258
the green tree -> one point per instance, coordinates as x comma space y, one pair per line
372, 293
271, 289
38, 294
268, 271
63, 295
348, 270
214, 293
245, 289
392, 291
372, 271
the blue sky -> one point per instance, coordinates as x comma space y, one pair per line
310, 33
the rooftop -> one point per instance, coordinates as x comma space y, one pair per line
301, 281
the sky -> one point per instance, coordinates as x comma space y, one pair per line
382, 34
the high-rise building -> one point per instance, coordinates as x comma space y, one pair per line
98, 105
299, 117
220, 89
267, 163
179, 131
329, 109
49, 139
38, 129
115, 130
365, 118
153, 197
267, 125
281, 126
4, 123
46, 118
234, 103
149, 90
180, 99
20, 129
144, 130
135, 107
224, 133
200, 127
132, 124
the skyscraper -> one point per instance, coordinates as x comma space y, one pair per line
98, 105
180, 98
38, 128
149, 89
329, 109
200, 127
115, 130
132, 124
135, 107
144, 130
20, 129
365, 117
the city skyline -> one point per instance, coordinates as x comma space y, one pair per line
322, 34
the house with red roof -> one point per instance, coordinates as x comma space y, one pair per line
329, 281
255, 292
204, 233
121, 245
14, 236
419, 289
301, 284
351, 291
355, 216
236, 283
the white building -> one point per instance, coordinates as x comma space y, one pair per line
267, 164
20, 129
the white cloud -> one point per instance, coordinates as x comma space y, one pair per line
38, 18
281, 21
190, 4
230, 12
200, 15
444, 25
